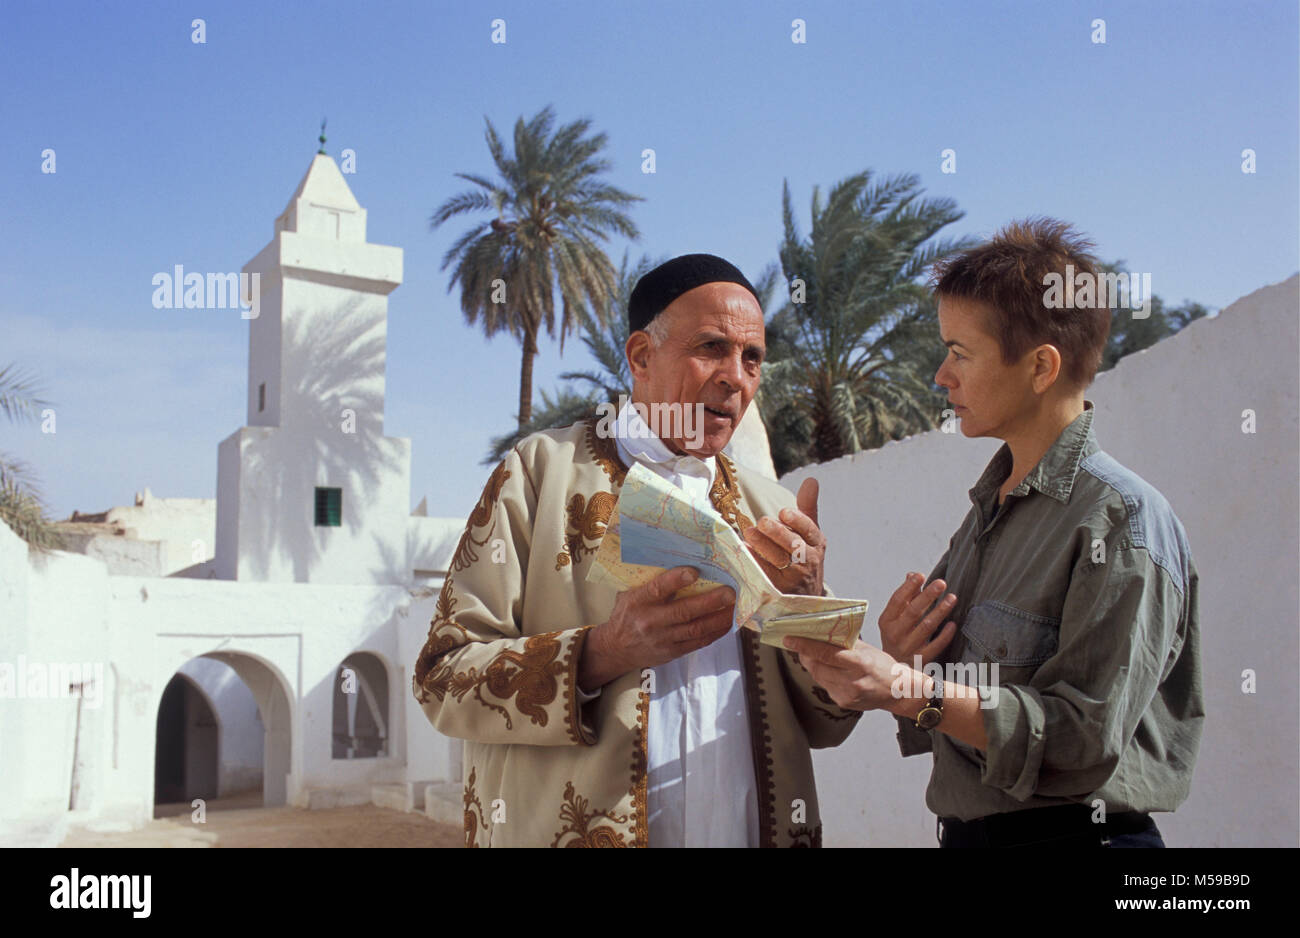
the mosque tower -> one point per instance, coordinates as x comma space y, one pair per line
311, 490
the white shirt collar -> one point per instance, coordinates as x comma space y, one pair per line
637, 442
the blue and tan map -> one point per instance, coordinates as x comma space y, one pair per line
657, 525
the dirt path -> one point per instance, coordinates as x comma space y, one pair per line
359, 826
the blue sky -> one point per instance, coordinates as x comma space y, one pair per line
172, 153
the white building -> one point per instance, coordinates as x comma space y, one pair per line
264, 642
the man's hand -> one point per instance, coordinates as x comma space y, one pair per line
857, 678
649, 627
791, 548
908, 630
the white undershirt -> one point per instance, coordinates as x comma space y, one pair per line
701, 790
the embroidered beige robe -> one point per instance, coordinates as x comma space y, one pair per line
500, 665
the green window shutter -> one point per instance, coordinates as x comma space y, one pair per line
329, 507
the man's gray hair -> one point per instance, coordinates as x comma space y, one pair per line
657, 329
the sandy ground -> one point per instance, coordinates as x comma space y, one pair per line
232, 822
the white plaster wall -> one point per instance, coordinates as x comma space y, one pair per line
264, 349
142, 630
185, 526
333, 356
121, 554
431, 542
275, 538
1173, 414
13, 642
749, 447
225, 563
40, 732
304, 632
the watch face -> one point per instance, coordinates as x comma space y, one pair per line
929, 718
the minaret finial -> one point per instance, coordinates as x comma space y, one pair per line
322, 136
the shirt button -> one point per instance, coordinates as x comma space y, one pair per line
1002, 651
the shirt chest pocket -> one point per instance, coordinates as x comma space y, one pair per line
1014, 640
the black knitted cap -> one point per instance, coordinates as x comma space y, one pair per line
669, 280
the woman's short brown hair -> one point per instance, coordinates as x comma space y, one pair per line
1009, 273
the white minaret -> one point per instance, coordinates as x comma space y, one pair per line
311, 490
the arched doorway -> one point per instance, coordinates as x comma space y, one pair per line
189, 746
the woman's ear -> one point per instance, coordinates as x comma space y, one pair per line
1047, 367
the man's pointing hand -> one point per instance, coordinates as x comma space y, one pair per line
791, 547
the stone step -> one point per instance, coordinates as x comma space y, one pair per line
317, 799
444, 802
400, 796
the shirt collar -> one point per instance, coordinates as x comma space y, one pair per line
1055, 473
637, 442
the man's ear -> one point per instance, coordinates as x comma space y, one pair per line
638, 353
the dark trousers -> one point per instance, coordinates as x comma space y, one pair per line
1065, 826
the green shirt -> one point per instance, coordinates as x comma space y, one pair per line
1081, 588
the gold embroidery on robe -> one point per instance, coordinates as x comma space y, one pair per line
640, 777
577, 820
466, 552
436, 645
725, 495
529, 676
577, 732
587, 521
473, 819
604, 451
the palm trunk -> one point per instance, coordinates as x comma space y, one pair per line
826, 441
526, 378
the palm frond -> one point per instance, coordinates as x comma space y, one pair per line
21, 507
18, 395
847, 366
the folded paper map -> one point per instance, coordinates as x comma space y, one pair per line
657, 526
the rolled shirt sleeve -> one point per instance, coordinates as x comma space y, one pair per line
1064, 732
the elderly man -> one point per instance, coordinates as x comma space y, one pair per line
595, 718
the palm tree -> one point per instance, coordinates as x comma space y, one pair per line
21, 506
550, 210
849, 351
605, 335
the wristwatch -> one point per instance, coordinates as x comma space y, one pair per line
932, 712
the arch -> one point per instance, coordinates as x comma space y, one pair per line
360, 710
274, 704
187, 736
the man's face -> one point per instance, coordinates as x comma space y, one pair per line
712, 356
991, 398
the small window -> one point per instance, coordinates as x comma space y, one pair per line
329, 507
261, 397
